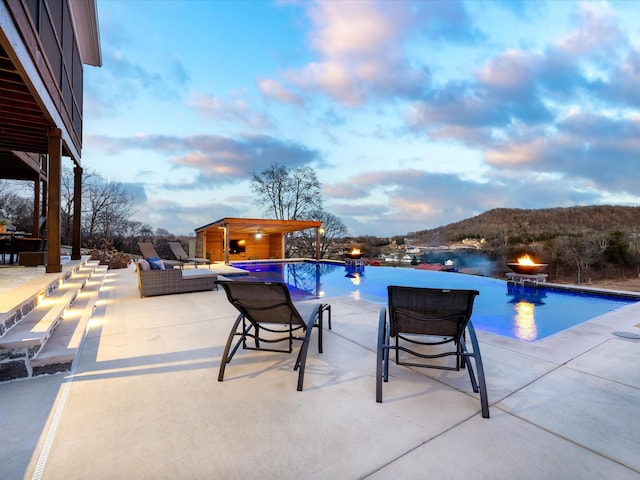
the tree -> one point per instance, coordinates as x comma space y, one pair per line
584, 251
332, 230
617, 250
67, 200
287, 194
16, 203
106, 208
634, 248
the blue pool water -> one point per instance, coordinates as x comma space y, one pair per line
524, 313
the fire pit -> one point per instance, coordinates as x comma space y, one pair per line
354, 254
354, 258
526, 266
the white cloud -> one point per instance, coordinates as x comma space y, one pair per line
360, 48
236, 112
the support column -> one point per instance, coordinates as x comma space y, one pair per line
317, 243
53, 194
36, 207
77, 213
225, 240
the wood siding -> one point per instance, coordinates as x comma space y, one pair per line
269, 246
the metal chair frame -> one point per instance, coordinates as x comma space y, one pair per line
279, 317
442, 315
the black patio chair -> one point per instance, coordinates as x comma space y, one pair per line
419, 317
268, 316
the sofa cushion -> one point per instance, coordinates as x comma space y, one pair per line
144, 265
198, 274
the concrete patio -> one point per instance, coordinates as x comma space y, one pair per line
143, 402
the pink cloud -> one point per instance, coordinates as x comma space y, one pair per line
598, 30
360, 48
271, 88
236, 111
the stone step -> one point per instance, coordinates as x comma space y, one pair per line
28, 337
62, 348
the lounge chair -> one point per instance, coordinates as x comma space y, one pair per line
268, 316
429, 316
149, 251
181, 255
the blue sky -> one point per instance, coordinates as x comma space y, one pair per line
414, 114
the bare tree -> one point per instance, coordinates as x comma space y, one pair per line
67, 200
287, 194
332, 230
16, 203
106, 207
634, 248
584, 251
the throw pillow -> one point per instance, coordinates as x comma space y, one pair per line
156, 263
144, 265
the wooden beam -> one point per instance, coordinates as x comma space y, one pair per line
77, 213
53, 212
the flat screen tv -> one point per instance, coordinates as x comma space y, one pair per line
237, 246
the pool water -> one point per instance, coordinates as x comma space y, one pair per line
524, 313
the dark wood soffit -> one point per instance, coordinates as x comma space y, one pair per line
23, 126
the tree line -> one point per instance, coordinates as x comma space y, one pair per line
282, 193
578, 243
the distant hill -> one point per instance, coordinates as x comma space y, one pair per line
535, 225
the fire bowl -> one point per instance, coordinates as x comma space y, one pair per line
354, 255
527, 269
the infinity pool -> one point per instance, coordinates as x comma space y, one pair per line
524, 313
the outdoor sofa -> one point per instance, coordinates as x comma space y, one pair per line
172, 280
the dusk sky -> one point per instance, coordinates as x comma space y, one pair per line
414, 114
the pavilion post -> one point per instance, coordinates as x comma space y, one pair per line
36, 206
226, 243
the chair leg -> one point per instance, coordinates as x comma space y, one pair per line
303, 356
326, 307
382, 355
318, 321
226, 358
484, 401
463, 357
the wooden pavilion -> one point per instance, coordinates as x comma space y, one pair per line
43, 47
235, 239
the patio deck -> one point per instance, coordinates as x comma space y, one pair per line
143, 401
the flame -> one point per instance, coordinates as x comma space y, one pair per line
355, 251
525, 260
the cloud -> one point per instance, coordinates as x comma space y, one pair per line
137, 192
360, 54
554, 112
597, 34
273, 89
448, 22
411, 200
113, 89
393, 202
593, 147
183, 219
216, 158
236, 112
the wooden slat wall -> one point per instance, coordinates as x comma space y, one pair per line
214, 245
269, 246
